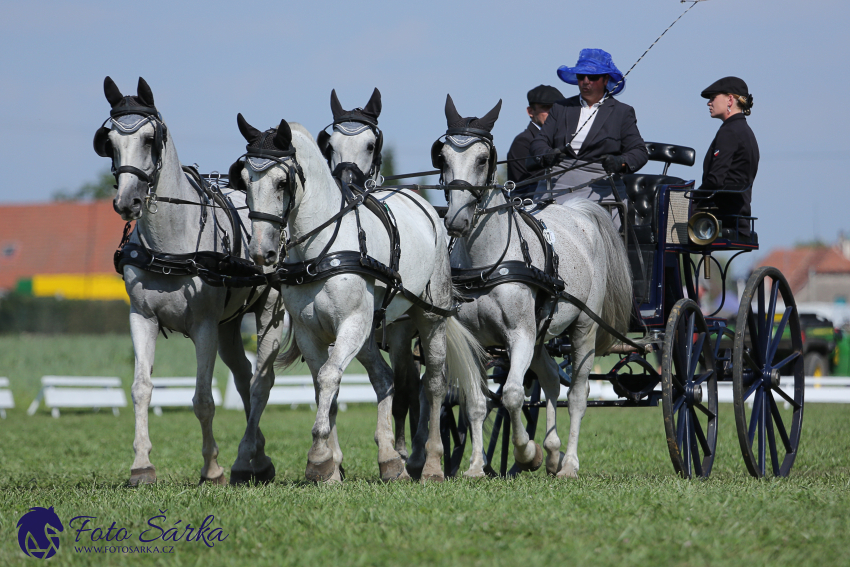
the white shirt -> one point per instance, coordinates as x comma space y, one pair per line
585, 119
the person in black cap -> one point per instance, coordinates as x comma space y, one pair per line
732, 160
592, 132
540, 101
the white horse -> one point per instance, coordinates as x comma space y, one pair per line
154, 191
593, 265
353, 151
333, 317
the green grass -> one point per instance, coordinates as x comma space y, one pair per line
628, 508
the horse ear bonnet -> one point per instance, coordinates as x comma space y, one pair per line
322, 141
455, 120
102, 145
234, 175
141, 104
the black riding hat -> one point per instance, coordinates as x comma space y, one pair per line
726, 85
544, 94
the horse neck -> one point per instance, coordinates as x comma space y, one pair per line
314, 204
173, 228
487, 240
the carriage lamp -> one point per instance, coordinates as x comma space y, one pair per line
703, 228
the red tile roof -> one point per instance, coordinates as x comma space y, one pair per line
796, 264
57, 238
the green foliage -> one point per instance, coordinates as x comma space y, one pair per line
23, 313
101, 188
388, 166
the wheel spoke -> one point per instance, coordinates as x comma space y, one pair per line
762, 420
705, 410
790, 358
754, 418
786, 397
695, 359
754, 339
780, 426
686, 444
777, 336
768, 322
703, 377
760, 319
680, 429
752, 389
692, 422
700, 435
689, 352
771, 440
678, 403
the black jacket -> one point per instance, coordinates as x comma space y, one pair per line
731, 162
614, 131
521, 149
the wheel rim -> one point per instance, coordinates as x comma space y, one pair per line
768, 430
689, 391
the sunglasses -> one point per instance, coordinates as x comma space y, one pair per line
593, 78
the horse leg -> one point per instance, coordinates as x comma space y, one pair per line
527, 453
350, 337
432, 333
143, 332
205, 337
583, 340
390, 463
251, 462
405, 380
547, 374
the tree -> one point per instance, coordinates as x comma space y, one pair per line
101, 188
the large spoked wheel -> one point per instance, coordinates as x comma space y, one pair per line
689, 391
773, 423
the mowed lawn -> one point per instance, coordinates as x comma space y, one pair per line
627, 507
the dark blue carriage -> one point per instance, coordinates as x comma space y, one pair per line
671, 236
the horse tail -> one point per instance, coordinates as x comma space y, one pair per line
465, 363
291, 353
617, 301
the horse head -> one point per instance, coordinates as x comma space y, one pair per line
135, 140
268, 175
467, 162
353, 149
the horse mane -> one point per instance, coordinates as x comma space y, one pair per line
309, 157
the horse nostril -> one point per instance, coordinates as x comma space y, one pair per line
137, 203
270, 257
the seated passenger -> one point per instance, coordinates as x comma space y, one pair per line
593, 131
540, 101
732, 160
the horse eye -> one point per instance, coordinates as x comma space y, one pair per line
371, 147
281, 185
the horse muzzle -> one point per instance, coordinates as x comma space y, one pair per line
349, 173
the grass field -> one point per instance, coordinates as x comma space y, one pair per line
627, 508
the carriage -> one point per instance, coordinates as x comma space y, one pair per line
670, 244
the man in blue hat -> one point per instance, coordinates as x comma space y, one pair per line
593, 132
540, 101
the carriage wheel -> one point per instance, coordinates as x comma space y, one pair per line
777, 408
689, 391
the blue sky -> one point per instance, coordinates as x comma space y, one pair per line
206, 61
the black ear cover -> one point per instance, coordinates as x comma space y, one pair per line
234, 174
110, 89
248, 132
323, 140
102, 145
283, 137
336, 107
144, 92
436, 154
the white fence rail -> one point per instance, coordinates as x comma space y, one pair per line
177, 392
79, 392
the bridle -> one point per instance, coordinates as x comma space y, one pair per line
103, 147
476, 135
357, 116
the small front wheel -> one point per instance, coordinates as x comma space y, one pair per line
689, 391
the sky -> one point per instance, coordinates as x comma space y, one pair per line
207, 61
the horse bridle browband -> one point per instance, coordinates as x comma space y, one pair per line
355, 115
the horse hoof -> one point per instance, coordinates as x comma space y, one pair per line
432, 477
238, 477
320, 472
414, 472
568, 471
393, 470
475, 475
146, 475
534, 463
220, 480
264, 476
552, 472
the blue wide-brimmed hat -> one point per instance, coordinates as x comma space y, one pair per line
594, 62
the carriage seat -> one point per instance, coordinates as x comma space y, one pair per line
642, 192
670, 154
